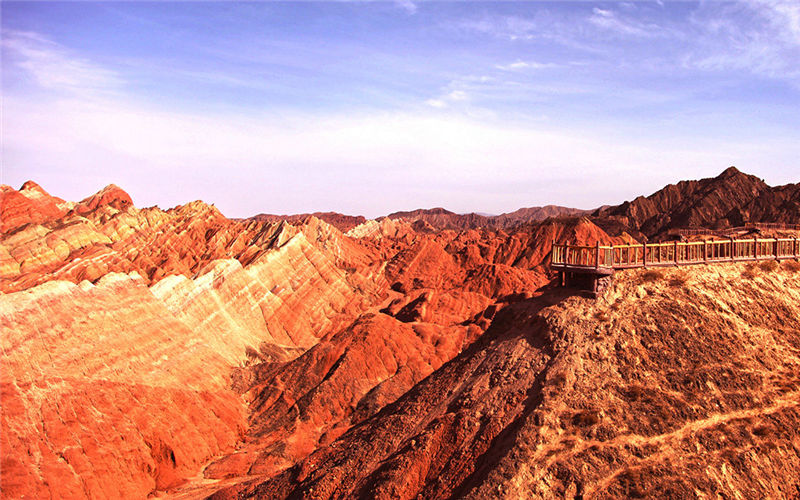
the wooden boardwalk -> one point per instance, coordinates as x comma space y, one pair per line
589, 266
675, 253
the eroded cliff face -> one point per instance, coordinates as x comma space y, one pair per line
117, 388
687, 385
106, 394
122, 327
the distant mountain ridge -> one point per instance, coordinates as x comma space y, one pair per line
435, 219
440, 218
342, 222
729, 199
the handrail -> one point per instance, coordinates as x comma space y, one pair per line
673, 253
724, 232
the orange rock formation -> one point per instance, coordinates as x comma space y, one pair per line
181, 353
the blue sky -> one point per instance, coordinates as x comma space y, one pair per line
372, 107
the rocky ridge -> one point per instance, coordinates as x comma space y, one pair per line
435, 219
730, 199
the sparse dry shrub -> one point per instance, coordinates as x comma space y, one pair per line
750, 271
559, 379
678, 281
651, 276
586, 418
791, 266
768, 265
763, 431
632, 483
770, 445
730, 456
635, 392
602, 316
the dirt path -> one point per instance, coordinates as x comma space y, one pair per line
566, 449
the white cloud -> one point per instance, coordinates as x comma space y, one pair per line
507, 27
610, 21
407, 5
517, 65
372, 164
54, 67
784, 16
444, 101
602, 13
458, 95
761, 37
436, 103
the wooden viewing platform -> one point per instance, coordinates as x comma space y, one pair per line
589, 266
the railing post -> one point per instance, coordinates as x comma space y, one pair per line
597, 255
676, 252
705, 251
795, 247
777, 257
733, 248
644, 254
755, 247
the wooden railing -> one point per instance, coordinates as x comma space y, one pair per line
674, 253
697, 231
772, 225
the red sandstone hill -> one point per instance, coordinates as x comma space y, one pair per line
730, 199
181, 353
31, 204
435, 219
537, 214
342, 222
780, 204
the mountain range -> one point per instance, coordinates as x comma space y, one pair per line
184, 354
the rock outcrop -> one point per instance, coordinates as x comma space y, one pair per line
716, 202
30, 204
341, 222
436, 219
531, 215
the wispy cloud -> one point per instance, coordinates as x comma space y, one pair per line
506, 27
758, 36
263, 162
407, 5
458, 95
53, 66
436, 103
577, 31
784, 16
451, 97
610, 21
761, 37
519, 64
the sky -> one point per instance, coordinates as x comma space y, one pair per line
369, 107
